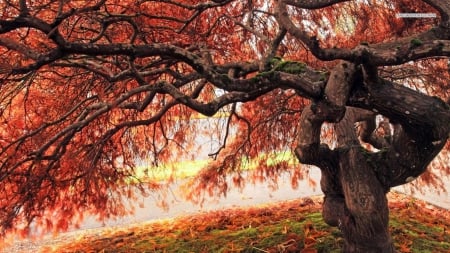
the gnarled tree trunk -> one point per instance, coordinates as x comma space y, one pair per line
355, 180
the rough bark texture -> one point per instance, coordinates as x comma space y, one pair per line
365, 220
355, 180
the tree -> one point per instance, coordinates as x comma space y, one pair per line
89, 87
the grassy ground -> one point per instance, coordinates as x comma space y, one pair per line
292, 226
191, 168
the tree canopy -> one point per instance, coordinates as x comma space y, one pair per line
88, 88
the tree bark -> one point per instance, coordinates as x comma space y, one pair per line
421, 128
355, 180
364, 223
355, 200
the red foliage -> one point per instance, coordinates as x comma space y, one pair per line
91, 89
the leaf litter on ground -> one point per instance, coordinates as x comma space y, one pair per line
288, 226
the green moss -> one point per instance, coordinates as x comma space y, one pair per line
274, 61
323, 75
418, 236
248, 232
276, 236
416, 42
276, 64
423, 237
421, 245
291, 67
315, 218
264, 74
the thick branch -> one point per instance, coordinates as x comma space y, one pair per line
213, 106
415, 111
367, 130
422, 126
311, 4
309, 150
443, 7
23, 49
199, 6
331, 107
412, 48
